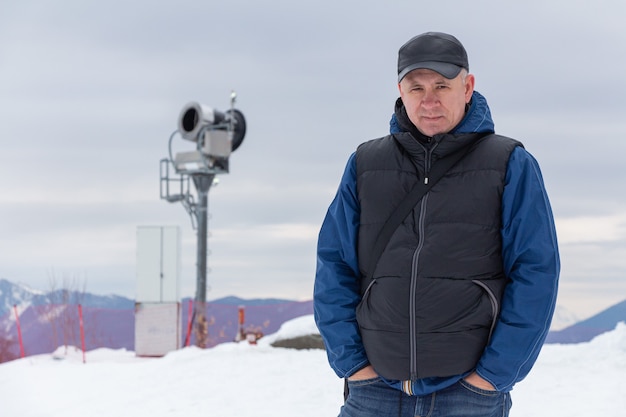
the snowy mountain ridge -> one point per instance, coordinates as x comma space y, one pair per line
563, 318
111, 318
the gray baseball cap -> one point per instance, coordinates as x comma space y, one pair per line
435, 51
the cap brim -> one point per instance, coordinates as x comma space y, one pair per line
449, 71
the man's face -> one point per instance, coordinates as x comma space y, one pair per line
434, 103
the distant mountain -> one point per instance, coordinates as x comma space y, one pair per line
49, 320
563, 318
232, 300
22, 296
586, 330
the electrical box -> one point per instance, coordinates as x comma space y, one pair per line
158, 264
157, 305
157, 328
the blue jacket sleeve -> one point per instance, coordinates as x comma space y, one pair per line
531, 262
337, 284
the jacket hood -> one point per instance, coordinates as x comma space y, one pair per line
477, 119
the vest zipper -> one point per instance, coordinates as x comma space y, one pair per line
412, 301
428, 161
414, 265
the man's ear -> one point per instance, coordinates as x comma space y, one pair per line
469, 87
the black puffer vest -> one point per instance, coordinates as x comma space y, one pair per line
434, 296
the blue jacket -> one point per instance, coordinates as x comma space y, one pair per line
531, 262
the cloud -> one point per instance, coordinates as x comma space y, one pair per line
592, 229
90, 93
592, 261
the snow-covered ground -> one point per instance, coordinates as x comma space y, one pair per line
242, 380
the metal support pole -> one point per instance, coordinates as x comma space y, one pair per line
216, 135
203, 184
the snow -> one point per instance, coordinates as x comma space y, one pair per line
247, 380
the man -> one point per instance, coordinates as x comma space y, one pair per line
455, 309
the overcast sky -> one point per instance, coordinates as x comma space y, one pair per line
90, 92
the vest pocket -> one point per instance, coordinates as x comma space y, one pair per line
385, 305
495, 305
383, 317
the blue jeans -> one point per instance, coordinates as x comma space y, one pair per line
374, 398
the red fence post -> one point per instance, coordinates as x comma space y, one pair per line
242, 319
19, 330
189, 322
82, 329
